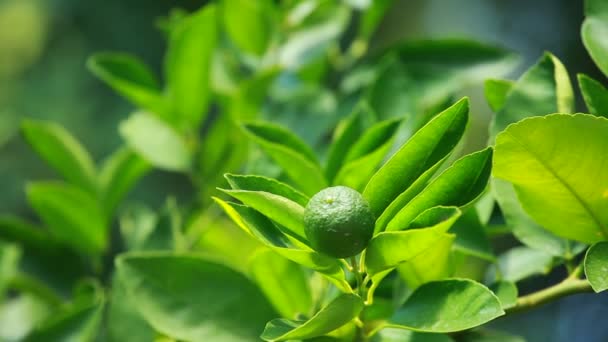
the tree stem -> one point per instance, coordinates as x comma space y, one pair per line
569, 286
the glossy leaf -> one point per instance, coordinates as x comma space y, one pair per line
72, 215
594, 94
222, 305
188, 66
267, 233
119, 174
248, 24
337, 313
156, 142
62, 152
431, 264
447, 306
438, 218
130, 78
522, 262
458, 185
284, 211
283, 282
428, 146
506, 292
594, 32
596, 266
496, 92
265, 184
554, 188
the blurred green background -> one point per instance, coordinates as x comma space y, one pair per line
44, 45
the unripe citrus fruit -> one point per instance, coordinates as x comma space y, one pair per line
338, 222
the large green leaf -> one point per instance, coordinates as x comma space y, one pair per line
447, 306
188, 66
124, 322
337, 313
458, 185
596, 266
284, 283
118, 174
189, 298
594, 94
156, 142
594, 32
427, 147
401, 335
291, 153
131, 78
72, 215
260, 183
506, 292
249, 24
552, 187
267, 233
62, 152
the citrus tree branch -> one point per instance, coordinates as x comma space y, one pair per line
571, 285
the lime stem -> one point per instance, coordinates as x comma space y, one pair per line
571, 285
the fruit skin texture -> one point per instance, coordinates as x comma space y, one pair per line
338, 222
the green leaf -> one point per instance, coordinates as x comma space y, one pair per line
596, 266
439, 218
265, 184
506, 292
554, 188
594, 94
188, 67
594, 32
522, 262
267, 233
545, 88
72, 215
496, 92
284, 211
62, 152
457, 186
292, 154
131, 78
76, 324
156, 142
249, 24
447, 306
10, 253
363, 158
471, 238
283, 282
189, 298
346, 135
387, 250
427, 147
119, 174
337, 313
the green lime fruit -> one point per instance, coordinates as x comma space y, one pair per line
338, 222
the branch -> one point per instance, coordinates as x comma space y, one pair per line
571, 285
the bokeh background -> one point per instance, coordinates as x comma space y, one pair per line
44, 45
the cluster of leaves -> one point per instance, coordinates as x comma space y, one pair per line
187, 273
